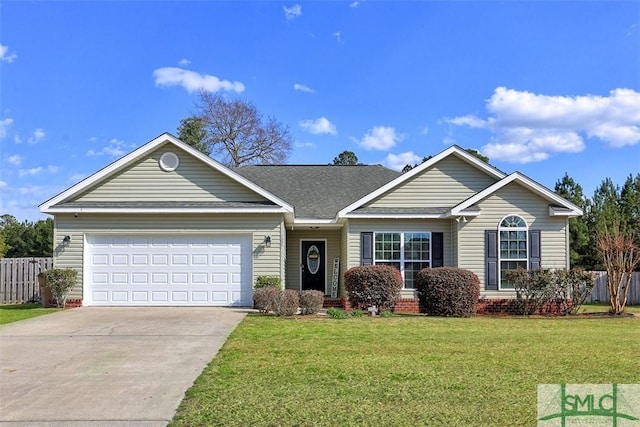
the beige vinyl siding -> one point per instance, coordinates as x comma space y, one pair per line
266, 261
193, 180
513, 199
294, 238
359, 226
446, 184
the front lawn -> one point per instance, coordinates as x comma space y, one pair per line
400, 371
14, 312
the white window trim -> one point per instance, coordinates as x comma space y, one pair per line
402, 259
500, 259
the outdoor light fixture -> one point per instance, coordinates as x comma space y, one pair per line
267, 241
463, 218
66, 241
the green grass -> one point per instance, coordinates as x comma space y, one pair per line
404, 370
14, 312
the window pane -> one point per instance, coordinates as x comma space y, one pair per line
506, 266
387, 246
392, 264
416, 246
410, 270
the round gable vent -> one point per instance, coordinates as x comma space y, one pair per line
169, 161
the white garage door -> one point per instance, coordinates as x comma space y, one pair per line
168, 270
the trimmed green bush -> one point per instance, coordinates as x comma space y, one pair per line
373, 286
265, 281
448, 291
60, 281
311, 301
357, 313
288, 303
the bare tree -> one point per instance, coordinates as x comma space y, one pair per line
620, 256
237, 134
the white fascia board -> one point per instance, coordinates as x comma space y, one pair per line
454, 149
306, 221
526, 182
54, 210
146, 148
394, 216
557, 211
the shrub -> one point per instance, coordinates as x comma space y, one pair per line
534, 288
373, 286
357, 313
288, 303
60, 281
311, 301
266, 298
266, 281
336, 313
386, 313
448, 291
573, 287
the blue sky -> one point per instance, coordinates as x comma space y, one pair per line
540, 87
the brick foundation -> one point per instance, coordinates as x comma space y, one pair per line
485, 306
407, 305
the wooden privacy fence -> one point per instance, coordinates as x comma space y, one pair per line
600, 292
19, 279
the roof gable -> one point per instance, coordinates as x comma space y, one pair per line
138, 177
411, 180
444, 184
559, 206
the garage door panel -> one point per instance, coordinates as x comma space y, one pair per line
169, 270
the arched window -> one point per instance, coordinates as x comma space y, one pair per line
514, 247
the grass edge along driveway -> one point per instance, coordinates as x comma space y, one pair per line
14, 312
417, 370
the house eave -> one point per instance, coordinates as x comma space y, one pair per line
54, 210
393, 216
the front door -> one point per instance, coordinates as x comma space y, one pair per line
313, 265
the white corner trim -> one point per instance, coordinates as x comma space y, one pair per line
453, 150
140, 152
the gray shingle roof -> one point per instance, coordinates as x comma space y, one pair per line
318, 191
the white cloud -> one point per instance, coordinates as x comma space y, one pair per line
184, 62
31, 172
292, 12
17, 139
303, 88
380, 138
115, 148
530, 127
399, 161
424, 130
5, 55
354, 4
319, 126
37, 136
53, 169
305, 145
4, 186
193, 81
15, 159
4, 125
338, 36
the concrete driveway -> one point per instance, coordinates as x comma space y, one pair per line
106, 366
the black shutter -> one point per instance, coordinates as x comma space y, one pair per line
437, 248
535, 260
491, 260
366, 248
